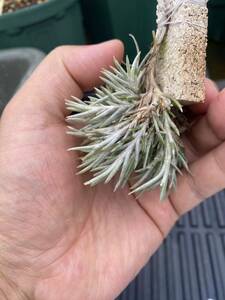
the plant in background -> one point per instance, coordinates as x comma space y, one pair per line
131, 127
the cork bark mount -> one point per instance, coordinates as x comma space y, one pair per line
181, 60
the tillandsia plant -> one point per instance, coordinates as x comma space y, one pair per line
131, 127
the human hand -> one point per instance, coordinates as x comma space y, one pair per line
59, 239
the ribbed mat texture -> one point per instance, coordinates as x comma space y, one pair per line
190, 265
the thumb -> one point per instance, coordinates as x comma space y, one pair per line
66, 71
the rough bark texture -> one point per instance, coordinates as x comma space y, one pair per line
181, 63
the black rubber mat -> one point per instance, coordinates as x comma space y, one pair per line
190, 265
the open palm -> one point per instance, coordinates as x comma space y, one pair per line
61, 240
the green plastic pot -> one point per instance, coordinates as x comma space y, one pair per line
217, 20
43, 26
107, 19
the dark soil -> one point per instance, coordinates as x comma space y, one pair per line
13, 5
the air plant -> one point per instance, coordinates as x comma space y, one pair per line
131, 127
